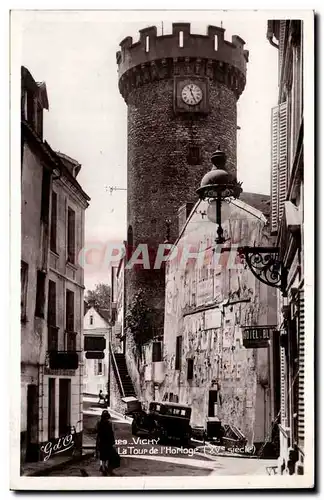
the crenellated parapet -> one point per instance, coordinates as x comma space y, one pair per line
181, 53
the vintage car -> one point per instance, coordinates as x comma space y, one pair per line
166, 421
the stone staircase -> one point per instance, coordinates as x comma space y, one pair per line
121, 373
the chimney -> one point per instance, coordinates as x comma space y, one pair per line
183, 214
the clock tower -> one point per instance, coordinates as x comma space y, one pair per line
181, 92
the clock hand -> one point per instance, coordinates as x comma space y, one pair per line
192, 94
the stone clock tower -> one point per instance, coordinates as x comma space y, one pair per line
181, 92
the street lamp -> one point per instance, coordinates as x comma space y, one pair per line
218, 185
264, 262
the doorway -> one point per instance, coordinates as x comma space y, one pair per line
51, 408
32, 423
64, 406
212, 403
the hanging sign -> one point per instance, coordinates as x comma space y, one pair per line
257, 336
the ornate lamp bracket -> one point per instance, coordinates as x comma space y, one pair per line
266, 266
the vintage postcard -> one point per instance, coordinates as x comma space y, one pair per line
163, 222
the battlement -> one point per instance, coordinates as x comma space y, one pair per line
181, 44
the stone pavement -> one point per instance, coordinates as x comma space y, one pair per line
42, 468
131, 466
168, 466
167, 463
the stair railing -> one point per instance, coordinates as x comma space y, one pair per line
117, 371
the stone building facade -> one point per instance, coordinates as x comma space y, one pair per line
203, 362
52, 222
171, 138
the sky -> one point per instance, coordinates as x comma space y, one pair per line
74, 52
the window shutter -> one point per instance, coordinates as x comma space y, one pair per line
283, 157
301, 376
282, 36
283, 386
279, 166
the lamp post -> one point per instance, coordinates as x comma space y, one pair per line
218, 185
264, 262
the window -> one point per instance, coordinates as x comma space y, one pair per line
178, 353
279, 172
91, 320
70, 341
212, 404
51, 317
69, 320
53, 222
194, 155
51, 310
157, 352
23, 291
51, 408
46, 184
130, 242
71, 235
190, 369
181, 39
99, 368
40, 294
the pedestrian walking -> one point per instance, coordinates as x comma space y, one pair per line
101, 396
105, 445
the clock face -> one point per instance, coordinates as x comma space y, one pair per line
191, 94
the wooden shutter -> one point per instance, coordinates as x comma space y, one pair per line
69, 311
40, 294
279, 165
301, 376
282, 37
51, 308
71, 235
53, 221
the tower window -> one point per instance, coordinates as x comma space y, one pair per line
180, 38
130, 242
53, 222
91, 320
216, 42
147, 44
194, 155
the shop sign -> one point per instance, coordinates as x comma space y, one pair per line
257, 336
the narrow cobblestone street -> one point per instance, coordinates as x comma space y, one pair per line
168, 459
